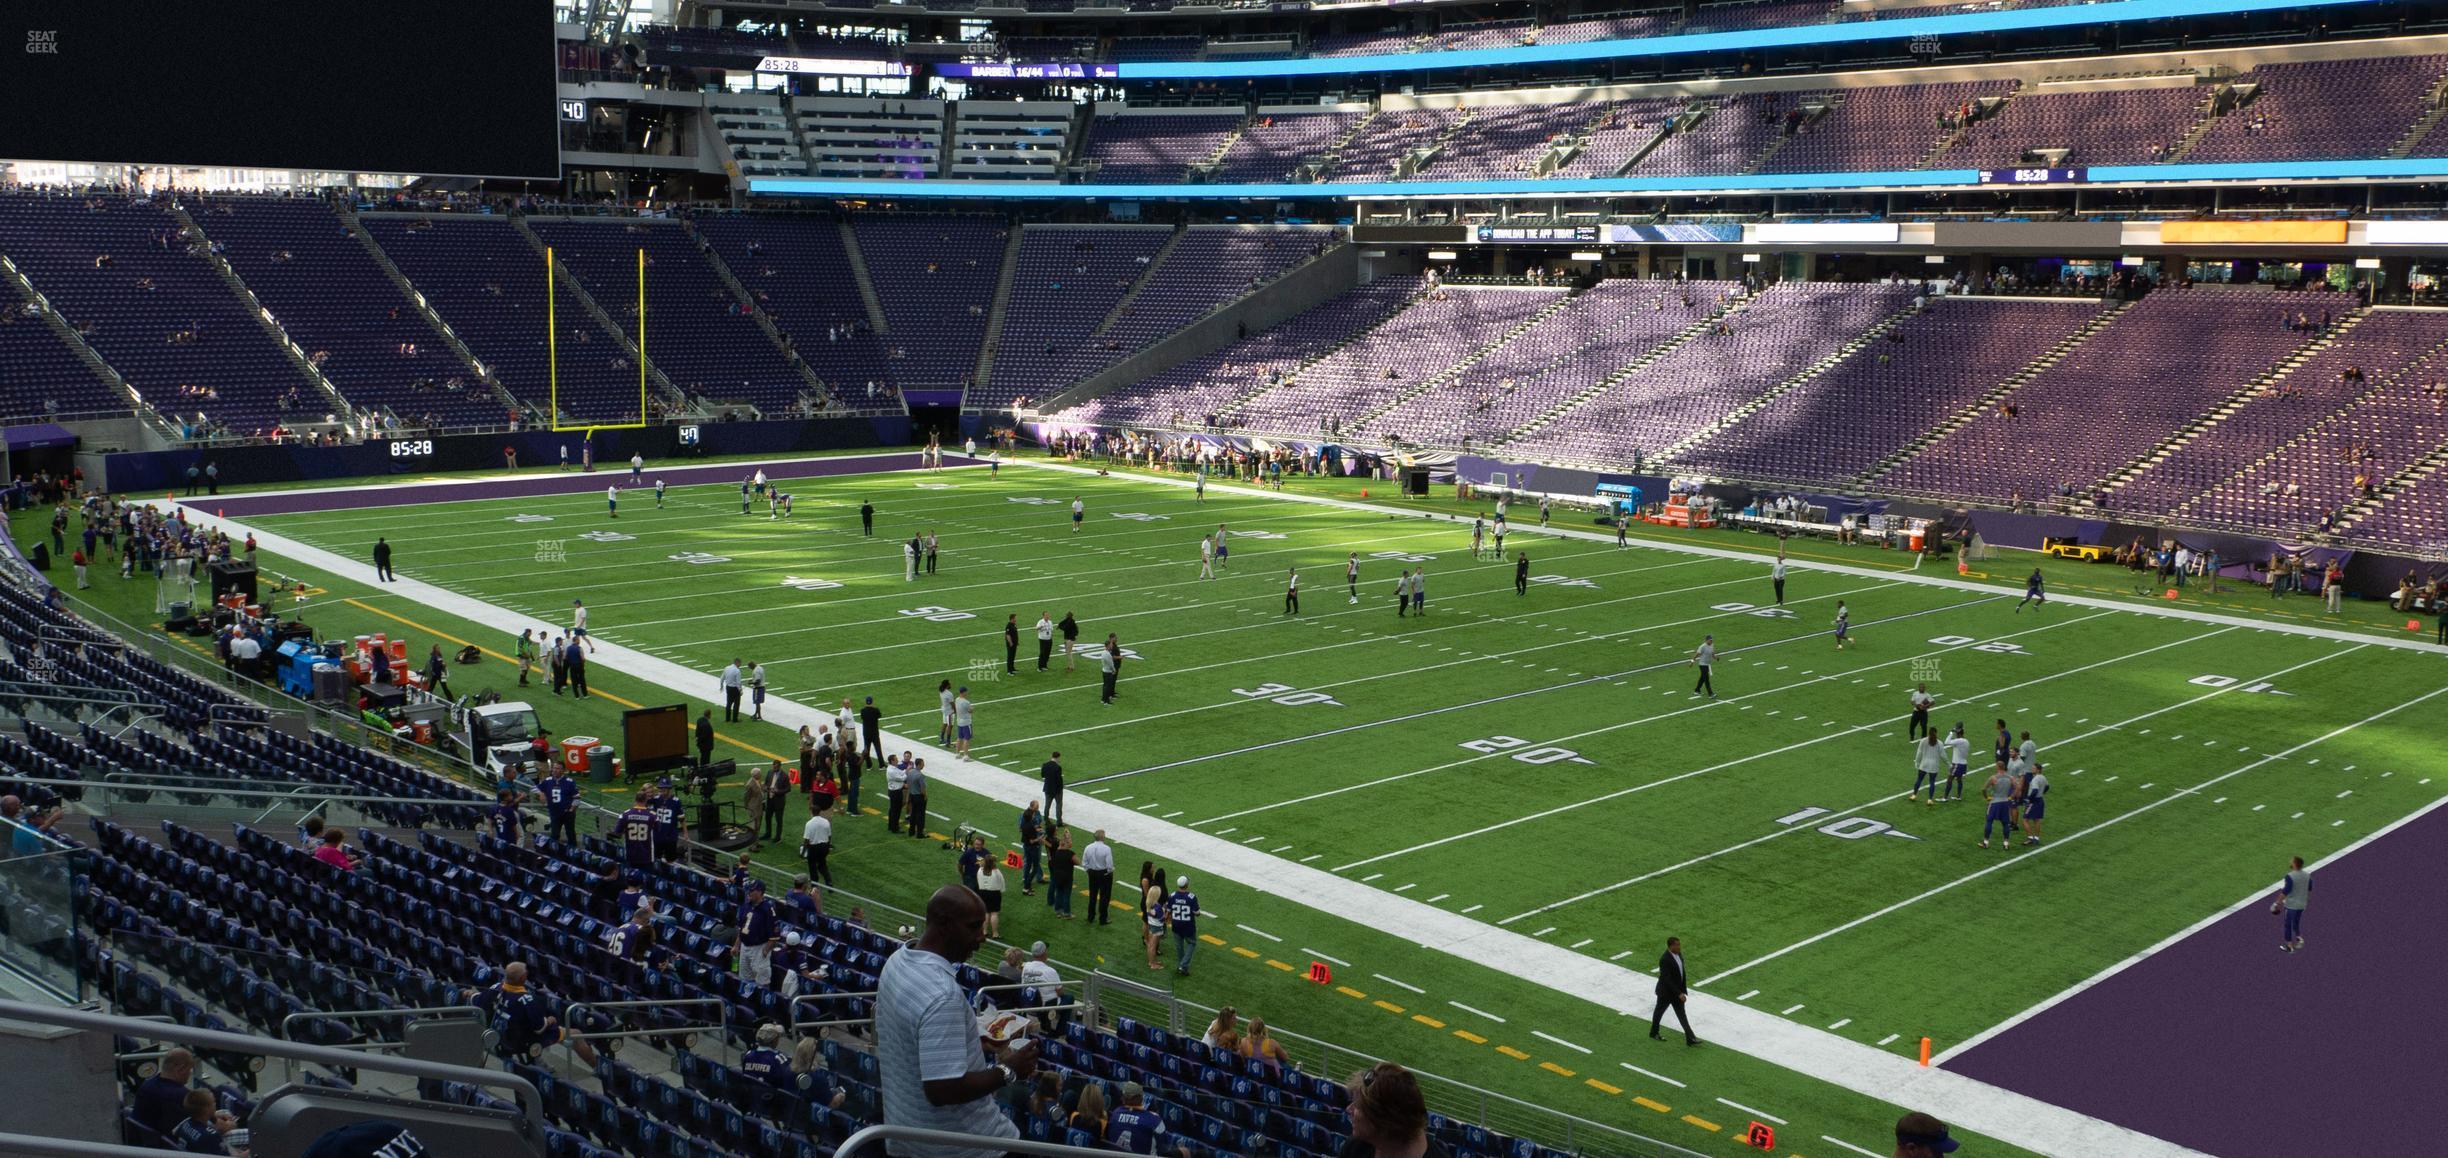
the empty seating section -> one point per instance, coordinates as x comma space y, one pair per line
935, 277
46, 377
2375, 428
757, 134
487, 282
1211, 266
1760, 14
2100, 126
1414, 346
1186, 394
1728, 140
1630, 27
162, 316
2416, 517
1276, 143
2323, 110
696, 332
1067, 281
1890, 391
1618, 132
1009, 140
2380, 347
1772, 336
2165, 361
798, 270
1157, 47
1377, 151
1588, 337
866, 137
1877, 129
1505, 142
338, 304
1154, 148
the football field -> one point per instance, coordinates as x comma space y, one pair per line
1533, 761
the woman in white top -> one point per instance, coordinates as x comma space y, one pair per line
990, 889
1225, 1031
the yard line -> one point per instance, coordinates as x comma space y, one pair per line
1259, 933
1436, 898
1653, 1074
1280, 851
1789, 1012
1559, 1041
1643, 787
1601, 730
1406, 888
1763, 839
1478, 1012
1401, 984
1323, 957
1760, 1114
1150, 804
1622, 955
2069, 838
1311, 857
1583, 941
1372, 876
1748, 996
1850, 1146
1473, 909
1392, 673
1890, 1038
1841, 1023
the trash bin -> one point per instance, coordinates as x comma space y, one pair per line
599, 761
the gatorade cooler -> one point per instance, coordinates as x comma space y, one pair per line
399, 653
574, 752
422, 732
1913, 540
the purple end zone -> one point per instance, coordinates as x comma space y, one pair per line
2222, 1043
545, 483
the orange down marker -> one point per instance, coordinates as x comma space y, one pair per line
1320, 974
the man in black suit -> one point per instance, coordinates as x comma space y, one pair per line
1672, 988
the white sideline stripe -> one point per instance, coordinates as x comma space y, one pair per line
1850, 1146
2069, 838
2257, 897
1323, 957
2002, 1114
1763, 1114
1560, 1041
1913, 577
1404, 984
1258, 933
1653, 1074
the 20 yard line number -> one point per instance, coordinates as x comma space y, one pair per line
1522, 750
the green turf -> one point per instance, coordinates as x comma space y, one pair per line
1379, 786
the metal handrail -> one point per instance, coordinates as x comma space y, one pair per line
34, 1147
877, 1135
354, 1014
531, 1101
791, 1012
569, 1018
